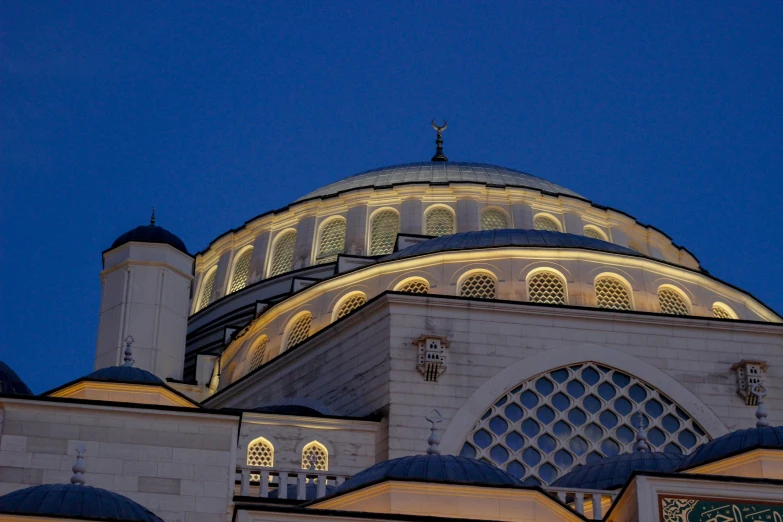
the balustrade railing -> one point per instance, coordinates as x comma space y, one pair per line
592, 503
292, 485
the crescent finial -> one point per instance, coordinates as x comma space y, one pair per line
439, 128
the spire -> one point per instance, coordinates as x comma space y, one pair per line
439, 142
761, 411
152, 218
79, 468
642, 446
434, 439
129, 360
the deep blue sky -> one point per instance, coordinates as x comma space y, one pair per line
217, 112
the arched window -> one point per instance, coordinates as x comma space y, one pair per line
414, 286
283, 253
260, 454
493, 220
315, 457
331, 242
546, 287
350, 304
439, 222
258, 353
576, 415
722, 311
481, 285
384, 228
672, 302
206, 289
241, 271
612, 293
299, 330
544, 222
595, 233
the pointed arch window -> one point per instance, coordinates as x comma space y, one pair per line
544, 222
384, 228
611, 293
546, 287
480, 285
331, 241
315, 457
299, 330
283, 253
206, 289
241, 271
494, 220
439, 222
261, 453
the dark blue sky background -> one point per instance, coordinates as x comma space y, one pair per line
215, 112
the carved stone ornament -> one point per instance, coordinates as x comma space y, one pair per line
431, 356
749, 375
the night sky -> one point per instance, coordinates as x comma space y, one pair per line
215, 112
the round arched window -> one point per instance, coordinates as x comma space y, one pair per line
414, 286
206, 289
259, 351
543, 222
439, 222
241, 271
546, 287
299, 330
350, 304
480, 285
594, 232
384, 228
611, 293
493, 220
283, 253
332, 241
671, 302
722, 311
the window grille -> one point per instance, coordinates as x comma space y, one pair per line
612, 293
283, 257
383, 232
576, 415
258, 353
546, 223
299, 331
315, 457
546, 287
440, 222
493, 220
671, 302
721, 313
260, 453
416, 286
481, 286
332, 241
206, 292
351, 304
241, 271
594, 233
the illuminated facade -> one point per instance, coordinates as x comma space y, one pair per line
582, 363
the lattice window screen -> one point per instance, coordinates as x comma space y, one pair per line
671, 302
594, 233
383, 232
260, 453
546, 287
332, 241
299, 331
315, 457
612, 293
206, 292
440, 222
283, 256
258, 353
721, 313
481, 286
493, 220
416, 286
241, 271
546, 223
351, 304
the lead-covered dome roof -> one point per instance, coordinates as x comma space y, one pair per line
124, 374
74, 501
614, 472
735, 443
440, 173
10, 383
150, 234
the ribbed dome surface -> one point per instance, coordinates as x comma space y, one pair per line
10, 382
733, 443
507, 238
150, 234
614, 472
74, 501
432, 468
440, 172
126, 374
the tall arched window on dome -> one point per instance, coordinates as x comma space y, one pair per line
258, 353
595, 233
545, 222
546, 287
241, 270
439, 221
331, 241
479, 285
349, 304
283, 253
315, 457
205, 296
384, 227
612, 293
298, 330
493, 219
672, 302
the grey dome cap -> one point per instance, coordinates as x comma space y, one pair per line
124, 374
507, 238
448, 469
735, 443
440, 173
74, 501
614, 472
150, 234
11, 383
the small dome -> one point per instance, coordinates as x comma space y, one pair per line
614, 472
74, 501
150, 234
447, 469
10, 383
126, 374
735, 443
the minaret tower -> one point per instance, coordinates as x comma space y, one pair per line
146, 278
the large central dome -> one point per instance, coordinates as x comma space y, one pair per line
439, 172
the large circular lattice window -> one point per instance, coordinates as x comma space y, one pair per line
315, 457
493, 220
576, 415
671, 302
332, 241
241, 271
299, 331
440, 222
383, 232
283, 256
414, 286
611, 293
542, 222
546, 287
481, 286
350, 305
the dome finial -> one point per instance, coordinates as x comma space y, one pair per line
761, 411
439, 141
152, 218
434, 439
642, 446
129, 360
79, 468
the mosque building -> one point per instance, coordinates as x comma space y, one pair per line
421, 342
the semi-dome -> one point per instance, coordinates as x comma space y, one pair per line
150, 234
447, 469
124, 374
734, 443
614, 472
507, 238
10, 383
74, 501
440, 173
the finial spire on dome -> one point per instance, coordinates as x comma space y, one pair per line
79, 468
129, 360
761, 411
642, 446
439, 141
434, 439
152, 218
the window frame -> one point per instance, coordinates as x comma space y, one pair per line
436, 206
237, 257
275, 244
375, 214
557, 273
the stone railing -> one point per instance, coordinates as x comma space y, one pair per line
588, 502
291, 485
